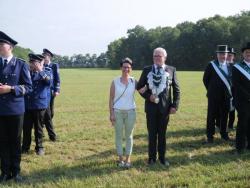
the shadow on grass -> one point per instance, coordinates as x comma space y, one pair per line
103, 164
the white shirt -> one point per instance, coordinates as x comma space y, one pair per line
126, 100
248, 63
8, 58
223, 66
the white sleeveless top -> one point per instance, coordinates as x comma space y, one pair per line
126, 101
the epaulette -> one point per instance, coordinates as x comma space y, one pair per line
21, 59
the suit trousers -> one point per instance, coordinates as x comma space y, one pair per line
157, 127
217, 113
10, 143
243, 130
231, 119
33, 118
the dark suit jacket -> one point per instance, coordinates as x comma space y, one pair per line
216, 88
165, 98
241, 90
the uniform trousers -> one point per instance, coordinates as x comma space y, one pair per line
49, 123
33, 118
10, 143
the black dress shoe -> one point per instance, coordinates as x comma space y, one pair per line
164, 162
17, 178
53, 139
25, 151
225, 137
151, 161
40, 151
210, 140
4, 178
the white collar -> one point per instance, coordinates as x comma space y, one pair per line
163, 66
8, 58
223, 63
248, 63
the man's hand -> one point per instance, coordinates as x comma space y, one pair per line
4, 89
56, 93
172, 110
152, 98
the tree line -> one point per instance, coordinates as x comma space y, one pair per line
190, 46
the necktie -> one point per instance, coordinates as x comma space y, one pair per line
5, 63
159, 70
157, 77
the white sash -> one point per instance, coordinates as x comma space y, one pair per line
222, 77
243, 71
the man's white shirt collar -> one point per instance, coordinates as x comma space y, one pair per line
8, 58
248, 63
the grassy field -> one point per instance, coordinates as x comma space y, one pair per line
84, 155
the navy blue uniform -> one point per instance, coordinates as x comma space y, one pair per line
36, 103
12, 108
55, 87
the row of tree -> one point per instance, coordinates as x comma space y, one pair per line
190, 46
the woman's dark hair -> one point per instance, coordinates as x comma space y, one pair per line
126, 60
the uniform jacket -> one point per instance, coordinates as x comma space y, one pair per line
56, 76
38, 98
215, 86
165, 98
16, 74
241, 89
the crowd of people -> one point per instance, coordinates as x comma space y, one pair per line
27, 93
227, 84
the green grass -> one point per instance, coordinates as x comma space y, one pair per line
84, 155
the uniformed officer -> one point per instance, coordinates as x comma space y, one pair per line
230, 60
36, 103
55, 90
216, 79
241, 83
15, 82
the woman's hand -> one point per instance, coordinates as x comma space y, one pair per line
112, 118
142, 90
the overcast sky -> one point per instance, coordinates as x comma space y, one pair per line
68, 27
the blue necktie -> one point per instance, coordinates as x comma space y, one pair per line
5, 63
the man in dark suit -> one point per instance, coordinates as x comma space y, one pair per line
55, 90
161, 81
241, 83
36, 103
15, 82
217, 81
230, 60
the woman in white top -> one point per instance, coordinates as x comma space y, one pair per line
122, 110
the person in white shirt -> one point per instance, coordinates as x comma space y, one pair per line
122, 111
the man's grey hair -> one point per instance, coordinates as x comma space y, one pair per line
162, 50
